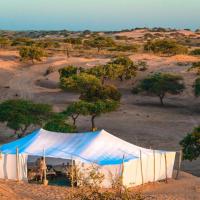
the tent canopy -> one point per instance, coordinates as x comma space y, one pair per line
98, 147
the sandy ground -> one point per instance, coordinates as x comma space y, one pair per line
186, 187
139, 120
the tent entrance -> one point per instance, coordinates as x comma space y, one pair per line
58, 170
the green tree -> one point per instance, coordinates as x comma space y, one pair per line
191, 145
20, 115
76, 109
101, 92
68, 71
197, 87
165, 46
4, 42
59, 124
80, 82
127, 68
160, 84
95, 109
99, 42
31, 53
195, 52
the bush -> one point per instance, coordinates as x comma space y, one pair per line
165, 46
191, 145
197, 87
195, 52
68, 71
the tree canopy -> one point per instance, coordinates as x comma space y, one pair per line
126, 67
31, 53
191, 145
19, 115
58, 123
197, 87
99, 42
165, 46
160, 84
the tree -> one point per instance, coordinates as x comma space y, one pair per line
165, 46
80, 82
94, 109
197, 87
31, 53
4, 42
68, 71
101, 92
160, 84
20, 115
99, 42
58, 123
191, 145
76, 109
127, 68
195, 52
99, 107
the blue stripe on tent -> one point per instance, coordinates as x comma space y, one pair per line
21, 144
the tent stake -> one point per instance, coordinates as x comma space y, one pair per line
141, 168
154, 166
17, 163
179, 164
166, 168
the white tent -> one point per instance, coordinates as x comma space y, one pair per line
113, 156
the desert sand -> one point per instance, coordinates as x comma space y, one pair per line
140, 119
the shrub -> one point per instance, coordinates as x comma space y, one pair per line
195, 52
165, 46
191, 145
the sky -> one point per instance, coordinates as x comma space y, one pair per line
98, 15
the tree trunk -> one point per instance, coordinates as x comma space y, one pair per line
93, 122
74, 118
161, 100
121, 78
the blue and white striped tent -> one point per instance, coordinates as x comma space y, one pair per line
100, 148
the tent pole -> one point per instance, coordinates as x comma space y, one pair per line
72, 174
154, 166
122, 172
17, 163
179, 164
166, 168
45, 173
141, 167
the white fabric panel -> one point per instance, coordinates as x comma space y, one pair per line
8, 167
132, 170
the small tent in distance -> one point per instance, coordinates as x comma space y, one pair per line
113, 156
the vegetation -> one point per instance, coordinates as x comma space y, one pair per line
68, 71
160, 84
76, 109
196, 66
126, 68
191, 145
4, 42
58, 123
195, 52
99, 42
197, 87
94, 109
20, 115
31, 53
165, 46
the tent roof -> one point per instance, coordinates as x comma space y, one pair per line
98, 147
